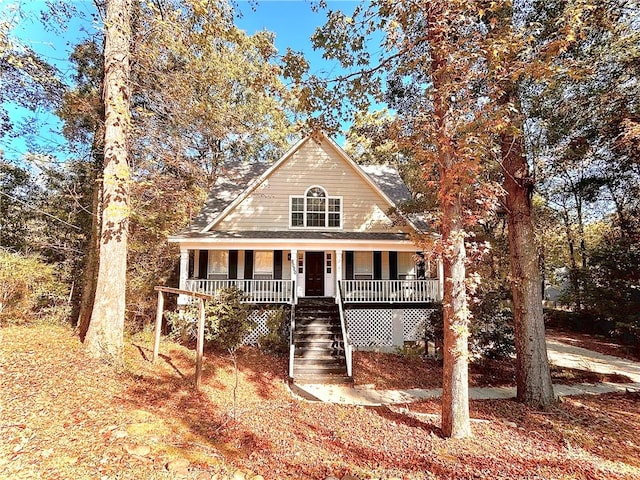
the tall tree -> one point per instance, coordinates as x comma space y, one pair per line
82, 112
432, 59
509, 65
105, 335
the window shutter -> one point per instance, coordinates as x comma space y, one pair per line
420, 266
377, 265
248, 264
277, 264
348, 257
393, 265
203, 264
233, 264
191, 273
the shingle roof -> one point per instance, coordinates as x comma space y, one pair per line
389, 181
231, 182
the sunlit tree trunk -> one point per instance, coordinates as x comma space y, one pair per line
533, 378
104, 338
455, 382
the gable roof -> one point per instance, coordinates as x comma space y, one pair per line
230, 183
238, 180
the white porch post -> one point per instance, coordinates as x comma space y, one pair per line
184, 274
196, 264
440, 279
338, 271
294, 275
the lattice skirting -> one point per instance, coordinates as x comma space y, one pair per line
370, 328
387, 327
260, 317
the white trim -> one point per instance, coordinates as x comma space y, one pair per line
327, 212
184, 267
287, 243
306, 192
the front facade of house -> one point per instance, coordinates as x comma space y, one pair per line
314, 224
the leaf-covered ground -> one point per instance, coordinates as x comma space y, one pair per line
381, 371
63, 416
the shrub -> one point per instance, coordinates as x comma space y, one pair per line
227, 321
613, 290
28, 287
276, 341
492, 334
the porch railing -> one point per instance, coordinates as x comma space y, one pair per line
346, 339
391, 291
256, 291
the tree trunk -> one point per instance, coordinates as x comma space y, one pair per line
105, 335
455, 378
92, 259
90, 273
533, 378
573, 266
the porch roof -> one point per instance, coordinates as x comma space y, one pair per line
293, 239
292, 235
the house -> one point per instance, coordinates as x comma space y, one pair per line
315, 232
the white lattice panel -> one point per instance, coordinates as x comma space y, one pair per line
260, 317
369, 327
413, 323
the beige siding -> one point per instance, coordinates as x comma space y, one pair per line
267, 207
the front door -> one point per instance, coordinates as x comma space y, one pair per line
314, 276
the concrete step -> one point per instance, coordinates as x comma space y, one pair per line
322, 379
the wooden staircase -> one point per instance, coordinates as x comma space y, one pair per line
319, 348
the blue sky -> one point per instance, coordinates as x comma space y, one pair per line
293, 22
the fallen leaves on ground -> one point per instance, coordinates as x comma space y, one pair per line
64, 415
381, 371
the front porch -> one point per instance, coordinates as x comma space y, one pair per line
339, 299
284, 276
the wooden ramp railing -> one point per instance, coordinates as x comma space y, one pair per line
202, 297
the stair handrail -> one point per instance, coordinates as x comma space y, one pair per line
292, 328
348, 347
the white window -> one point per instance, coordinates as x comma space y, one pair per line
316, 210
218, 264
406, 265
363, 265
263, 265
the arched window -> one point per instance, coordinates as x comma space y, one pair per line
316, 209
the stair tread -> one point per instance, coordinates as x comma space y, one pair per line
319, 355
